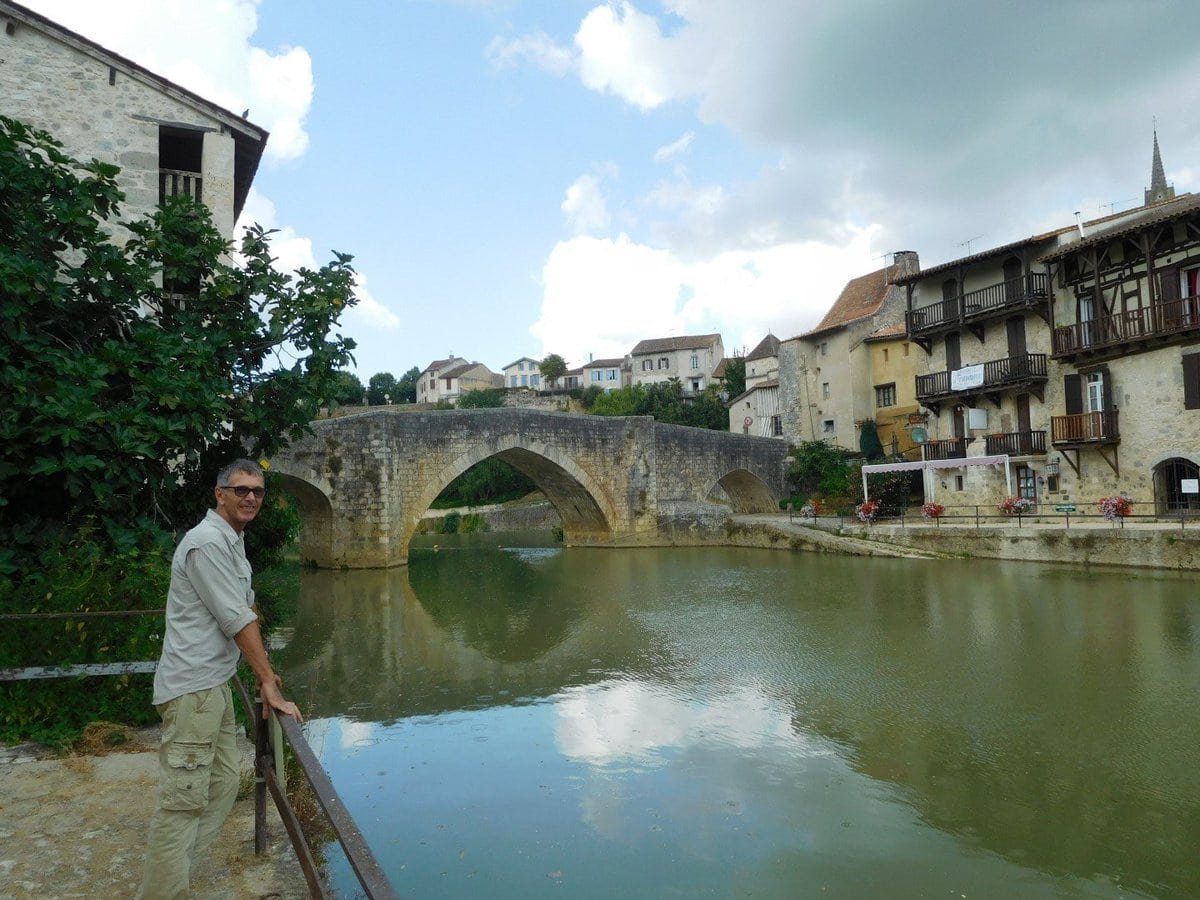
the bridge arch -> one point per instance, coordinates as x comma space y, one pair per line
585, 507
747, 492
316, 518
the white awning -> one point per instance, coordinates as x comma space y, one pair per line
926, 465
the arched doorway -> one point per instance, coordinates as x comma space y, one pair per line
1170, 476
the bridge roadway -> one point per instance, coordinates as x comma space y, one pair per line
363, 481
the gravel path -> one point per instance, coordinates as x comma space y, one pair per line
76, 827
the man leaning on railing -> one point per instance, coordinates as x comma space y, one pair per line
211, 620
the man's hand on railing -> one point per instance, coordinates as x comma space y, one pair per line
273, 698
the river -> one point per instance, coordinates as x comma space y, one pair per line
523, 721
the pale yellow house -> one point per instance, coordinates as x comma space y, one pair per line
693, 359
895, 362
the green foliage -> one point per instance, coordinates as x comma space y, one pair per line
347, 390
589, 395
665, 402
735, 376
121, 398
486, 398
868, 441
381, 387
472, 523
552, 368
893, 490
451, 522
69, 576
489, 481
406, 387
819, 468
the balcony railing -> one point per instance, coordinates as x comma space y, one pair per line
950, 448
1016, 443
996, 373
173, 182
1085, 428
1016, 293
1158, 320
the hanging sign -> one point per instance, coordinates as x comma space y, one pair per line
966, 378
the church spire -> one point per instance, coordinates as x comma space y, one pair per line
1159, 190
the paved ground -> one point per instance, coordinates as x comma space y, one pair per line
76, 827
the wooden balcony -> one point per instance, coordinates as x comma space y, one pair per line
173, 182
998, 375
961, 311
1084, 429
950, 448
1017, 443
1129, 330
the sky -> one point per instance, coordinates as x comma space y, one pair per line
516, 178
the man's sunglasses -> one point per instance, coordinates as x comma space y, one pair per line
244, 491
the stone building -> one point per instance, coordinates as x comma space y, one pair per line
693, 359
166, 139
826, 387
756, 410
894, 368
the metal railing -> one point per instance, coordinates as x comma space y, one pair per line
948, 448
1085, 428
996, 373
981, 515
1157, 320
1016, 293
268, 762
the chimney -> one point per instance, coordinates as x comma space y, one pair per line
906, 262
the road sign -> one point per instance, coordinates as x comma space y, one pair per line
1065, 508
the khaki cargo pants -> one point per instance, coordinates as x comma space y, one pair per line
198, 771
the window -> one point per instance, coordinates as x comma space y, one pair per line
777, 426
885, 354
1026, 485
535, 380
612, 374
512, 380
905, 349
958, 482
695, 361
1052, 483
827, 426
647, 365
1094, 391
1191, 381
696, 385
524, 380
825, 391
885, 395
824, 348
596, 375
520, 367
664, 363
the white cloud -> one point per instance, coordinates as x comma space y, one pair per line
538, 49
622, 51
293, 251
603, 295
670, 151
205, 46
584, 206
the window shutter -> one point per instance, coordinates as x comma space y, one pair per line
1168, 284
1073, 391
1191, 381
1107, 387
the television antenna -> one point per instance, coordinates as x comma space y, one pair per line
967, 243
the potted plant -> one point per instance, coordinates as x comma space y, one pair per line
932, 510
1015, 506
1115, 509
867, 511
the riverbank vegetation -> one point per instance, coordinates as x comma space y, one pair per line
132, 369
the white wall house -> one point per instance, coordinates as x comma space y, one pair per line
166, 139
523, 373
608, 374
693, 359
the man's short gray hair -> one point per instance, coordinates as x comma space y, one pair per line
249, 466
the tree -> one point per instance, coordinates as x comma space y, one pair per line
347, 389
381, 387
868, 441
485, 398
735, 376
406, 387
553, 367
122, 397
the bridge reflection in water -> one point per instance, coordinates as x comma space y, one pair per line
753, 720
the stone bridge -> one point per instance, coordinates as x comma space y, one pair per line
364, 481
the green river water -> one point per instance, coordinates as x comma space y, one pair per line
508, 721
